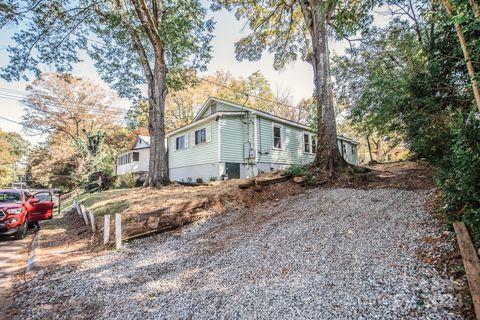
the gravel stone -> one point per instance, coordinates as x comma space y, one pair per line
325, 254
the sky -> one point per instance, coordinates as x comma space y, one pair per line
296, 77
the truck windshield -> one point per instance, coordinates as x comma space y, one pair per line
10, 197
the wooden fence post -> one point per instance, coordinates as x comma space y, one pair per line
84, 213
470, 262
106, 229
92, 219
118, 231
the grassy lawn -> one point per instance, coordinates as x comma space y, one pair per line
107, 202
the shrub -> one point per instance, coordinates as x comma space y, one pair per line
458, 173
125, 181
212, 179
296, 170
199, 180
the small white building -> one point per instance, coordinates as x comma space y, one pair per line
136, 160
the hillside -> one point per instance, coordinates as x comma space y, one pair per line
324, 252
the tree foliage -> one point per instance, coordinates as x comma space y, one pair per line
155, 43
70, 105
409, 80
13, 148
83, 126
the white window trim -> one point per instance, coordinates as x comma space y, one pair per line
195, 136
206, 136
185, 146
313, 135
310, 142
281, 136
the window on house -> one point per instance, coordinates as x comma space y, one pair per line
306, 143
201, 136
314, 143
136, 156
125, 159
180, 142
354, 150
344, 149
277, 137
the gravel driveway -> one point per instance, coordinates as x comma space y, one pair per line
327, 254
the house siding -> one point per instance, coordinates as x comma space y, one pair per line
192, 173
204, 153
347, 152
233, 135
292, 143
135, 166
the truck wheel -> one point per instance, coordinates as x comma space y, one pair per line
22, 232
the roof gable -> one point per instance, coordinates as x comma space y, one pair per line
270, 116
142, 142
211, 101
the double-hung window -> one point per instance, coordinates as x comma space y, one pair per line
180, 143
307, 143
201, 136
277, 136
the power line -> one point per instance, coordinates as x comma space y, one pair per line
10, 120
83, 109
58, 107
206, 80
21, 95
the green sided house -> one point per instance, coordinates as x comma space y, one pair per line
228, 141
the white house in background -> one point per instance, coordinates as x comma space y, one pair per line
136, 160
228, 140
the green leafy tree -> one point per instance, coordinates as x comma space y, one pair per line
409, 80
155, 43
299, 29
461, 11
13, 148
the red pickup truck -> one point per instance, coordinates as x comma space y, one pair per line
19, 209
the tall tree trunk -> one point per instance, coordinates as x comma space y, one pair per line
369, 148
157, 91
327, 156
466, 54
158, 164
379, 149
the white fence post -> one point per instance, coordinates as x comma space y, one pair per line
92, 219
106, 229
75, 206
118, 231
84, 213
